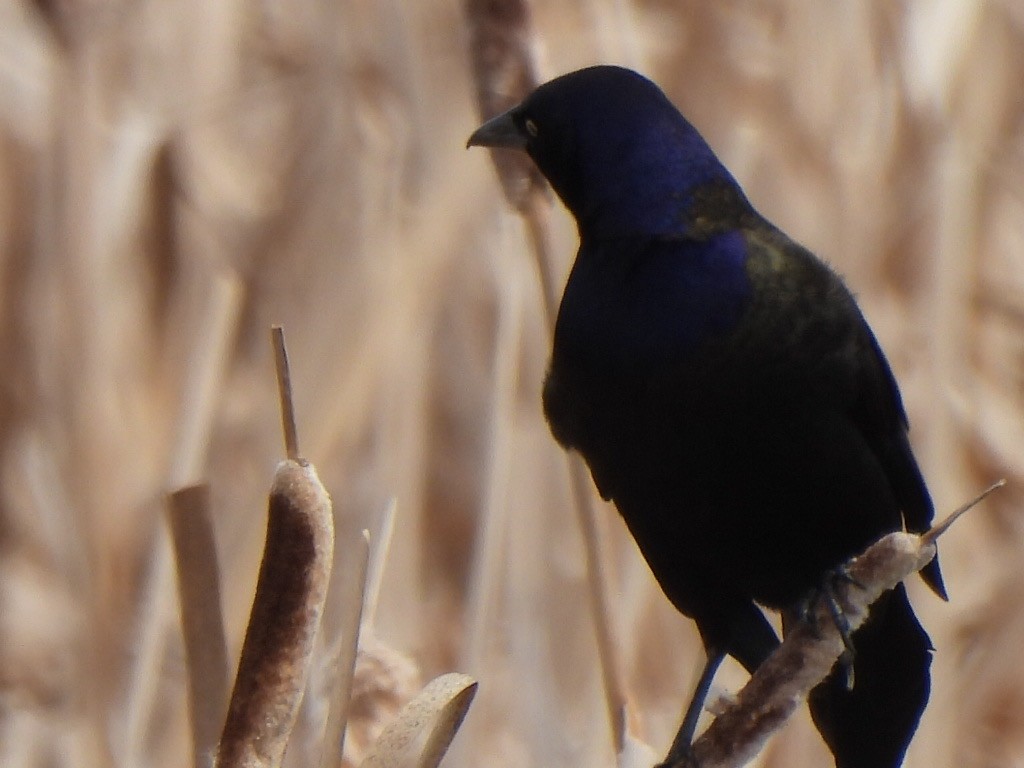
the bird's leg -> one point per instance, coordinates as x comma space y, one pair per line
827, 592
684, 736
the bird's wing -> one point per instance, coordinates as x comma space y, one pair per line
833, 327
880, 415
875, 406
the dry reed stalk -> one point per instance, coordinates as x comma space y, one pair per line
284, 388
344, 658
379, 550
291, 591
205, 371
188, 512
380, 679
485, 571
214, 331
501, 42
952, 292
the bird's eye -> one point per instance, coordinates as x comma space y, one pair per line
531, 128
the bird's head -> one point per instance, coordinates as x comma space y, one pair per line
618, 153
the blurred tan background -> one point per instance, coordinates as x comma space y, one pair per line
175, 177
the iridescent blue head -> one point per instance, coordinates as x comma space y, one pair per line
618, 153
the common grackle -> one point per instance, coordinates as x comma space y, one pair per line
727, 395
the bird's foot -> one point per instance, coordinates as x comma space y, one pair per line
678, 758
827, 592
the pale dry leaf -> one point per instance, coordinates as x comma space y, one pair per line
421, 733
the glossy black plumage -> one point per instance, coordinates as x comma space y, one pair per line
726, 393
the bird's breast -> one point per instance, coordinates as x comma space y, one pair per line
632, 306
633, 322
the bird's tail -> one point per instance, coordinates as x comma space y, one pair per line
871, 725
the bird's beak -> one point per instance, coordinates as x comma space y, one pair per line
500, 131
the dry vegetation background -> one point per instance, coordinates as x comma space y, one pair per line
176, 176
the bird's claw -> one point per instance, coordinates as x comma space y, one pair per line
827, 593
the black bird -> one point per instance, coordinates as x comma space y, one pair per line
727, 395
